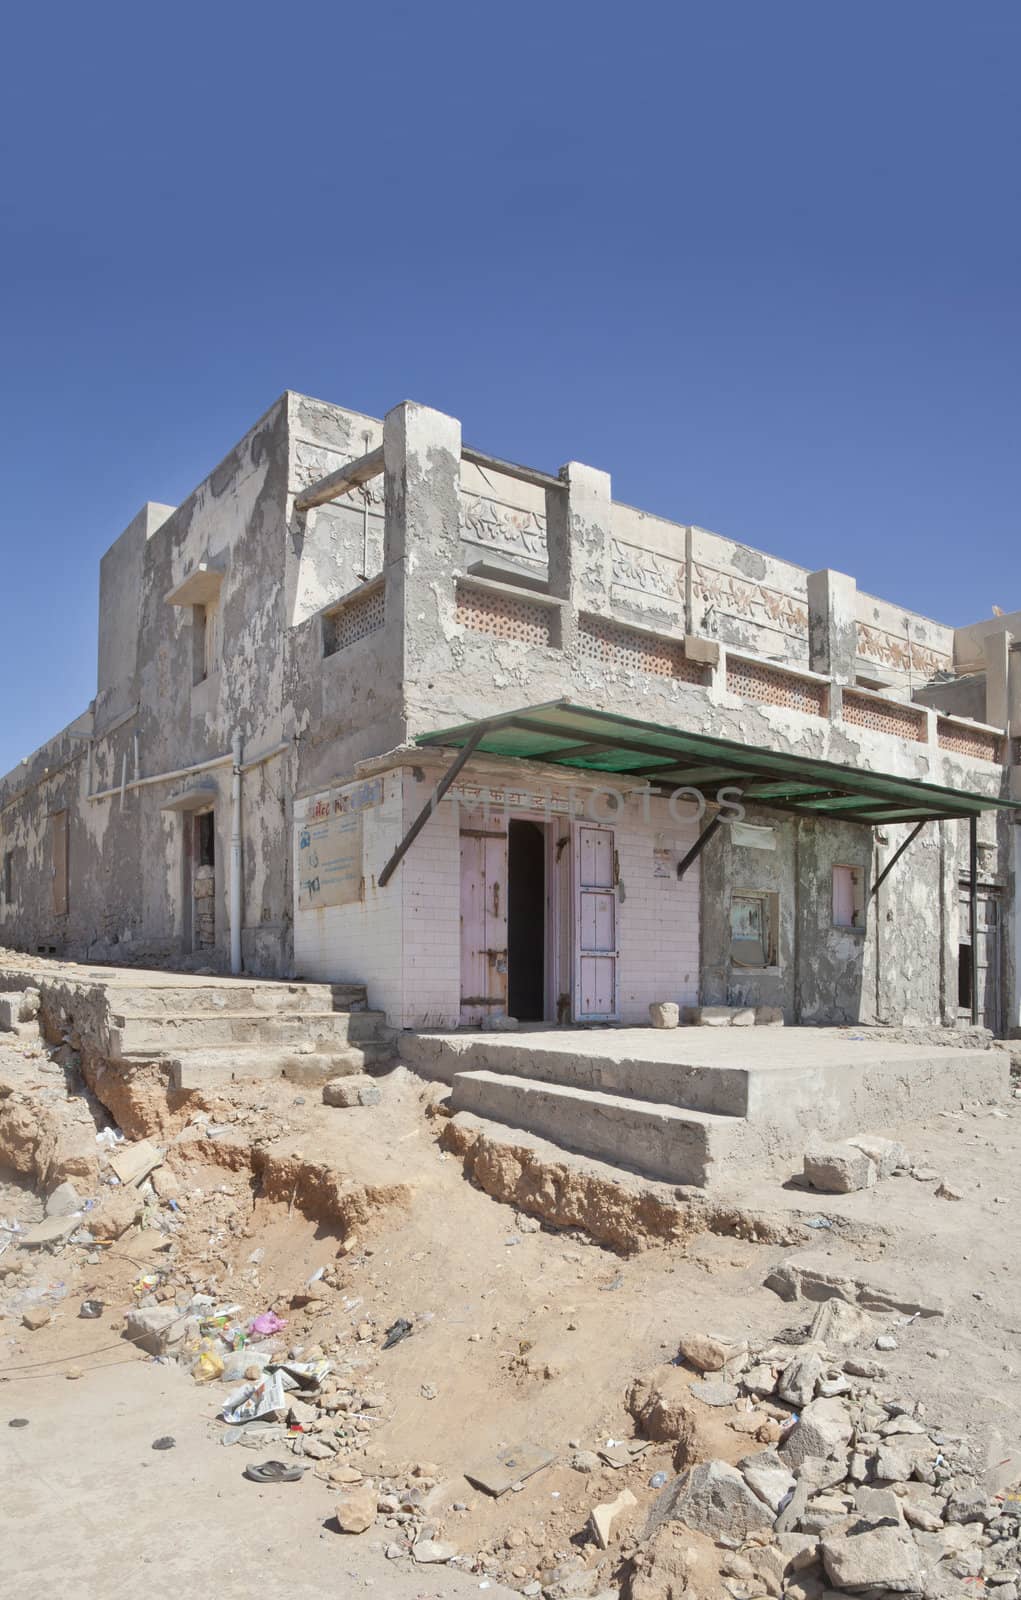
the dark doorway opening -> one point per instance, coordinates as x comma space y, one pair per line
964, 977
526, 921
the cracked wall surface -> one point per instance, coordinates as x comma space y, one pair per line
445, 589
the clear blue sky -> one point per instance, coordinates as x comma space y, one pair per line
760, 261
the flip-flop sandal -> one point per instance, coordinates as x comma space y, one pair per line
274, 1472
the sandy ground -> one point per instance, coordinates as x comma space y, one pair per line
520, 1333
91, 1510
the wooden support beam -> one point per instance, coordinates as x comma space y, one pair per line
337, 483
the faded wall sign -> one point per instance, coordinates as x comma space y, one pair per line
328, 868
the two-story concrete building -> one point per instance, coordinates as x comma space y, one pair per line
375, 706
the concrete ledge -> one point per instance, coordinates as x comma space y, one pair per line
655, 1140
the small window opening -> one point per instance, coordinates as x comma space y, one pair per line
7, 880
205, 648
848, 897
753, 930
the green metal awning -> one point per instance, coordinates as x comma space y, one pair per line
567, 736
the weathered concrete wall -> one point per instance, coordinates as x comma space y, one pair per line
444, 591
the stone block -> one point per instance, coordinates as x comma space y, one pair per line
885, 1154
713, 1498
884, 1558
354, 1091
743, 1018
766, 1475
664, 1014
838, 1169
157, 1329
824, 1430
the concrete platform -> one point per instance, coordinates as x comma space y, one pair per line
745, 1095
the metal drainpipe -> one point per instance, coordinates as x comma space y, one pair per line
235, 856
973, 907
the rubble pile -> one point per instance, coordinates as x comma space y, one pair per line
855, 1490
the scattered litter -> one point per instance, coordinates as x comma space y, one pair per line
262, 1399
109, 1138
508, 1469
275, 1472
396, 1332
268, 1322
90, 1309
166, 1441
657, 1480
818, 1222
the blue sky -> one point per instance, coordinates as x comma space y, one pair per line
758, 261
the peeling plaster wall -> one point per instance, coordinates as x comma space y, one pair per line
126, 870
576, 562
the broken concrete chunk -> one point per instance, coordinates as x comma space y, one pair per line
837, 1323
712, 1392
713, 1498
884, 1558
602, 1517
356, 1510
35, 1317
810, 1276
358, 1090
838, 1169
156, 1329
878, 1505
797, 1382
432, 1551
64, 1200
823, 1429
886, 1154
134, 1162
664, 1014
766, 1475
760, 1380
701, 1350
52, 1230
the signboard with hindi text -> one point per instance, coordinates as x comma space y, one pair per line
329, 846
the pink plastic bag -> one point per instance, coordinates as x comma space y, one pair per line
268, 1322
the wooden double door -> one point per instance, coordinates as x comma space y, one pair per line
539, 921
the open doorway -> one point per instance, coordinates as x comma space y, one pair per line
203, 881
526, 920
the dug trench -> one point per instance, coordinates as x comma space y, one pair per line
625, 1333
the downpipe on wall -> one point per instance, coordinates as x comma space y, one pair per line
235, 856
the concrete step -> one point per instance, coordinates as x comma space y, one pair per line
165, 1035
151, 1000
658, 1141
208, 1069
722, 1090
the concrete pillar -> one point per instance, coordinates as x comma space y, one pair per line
832, 624
421, 541
578, 538
996, 652
1014, 691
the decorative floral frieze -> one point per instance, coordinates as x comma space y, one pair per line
635, 568
503, 527
903, 655
755, 602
